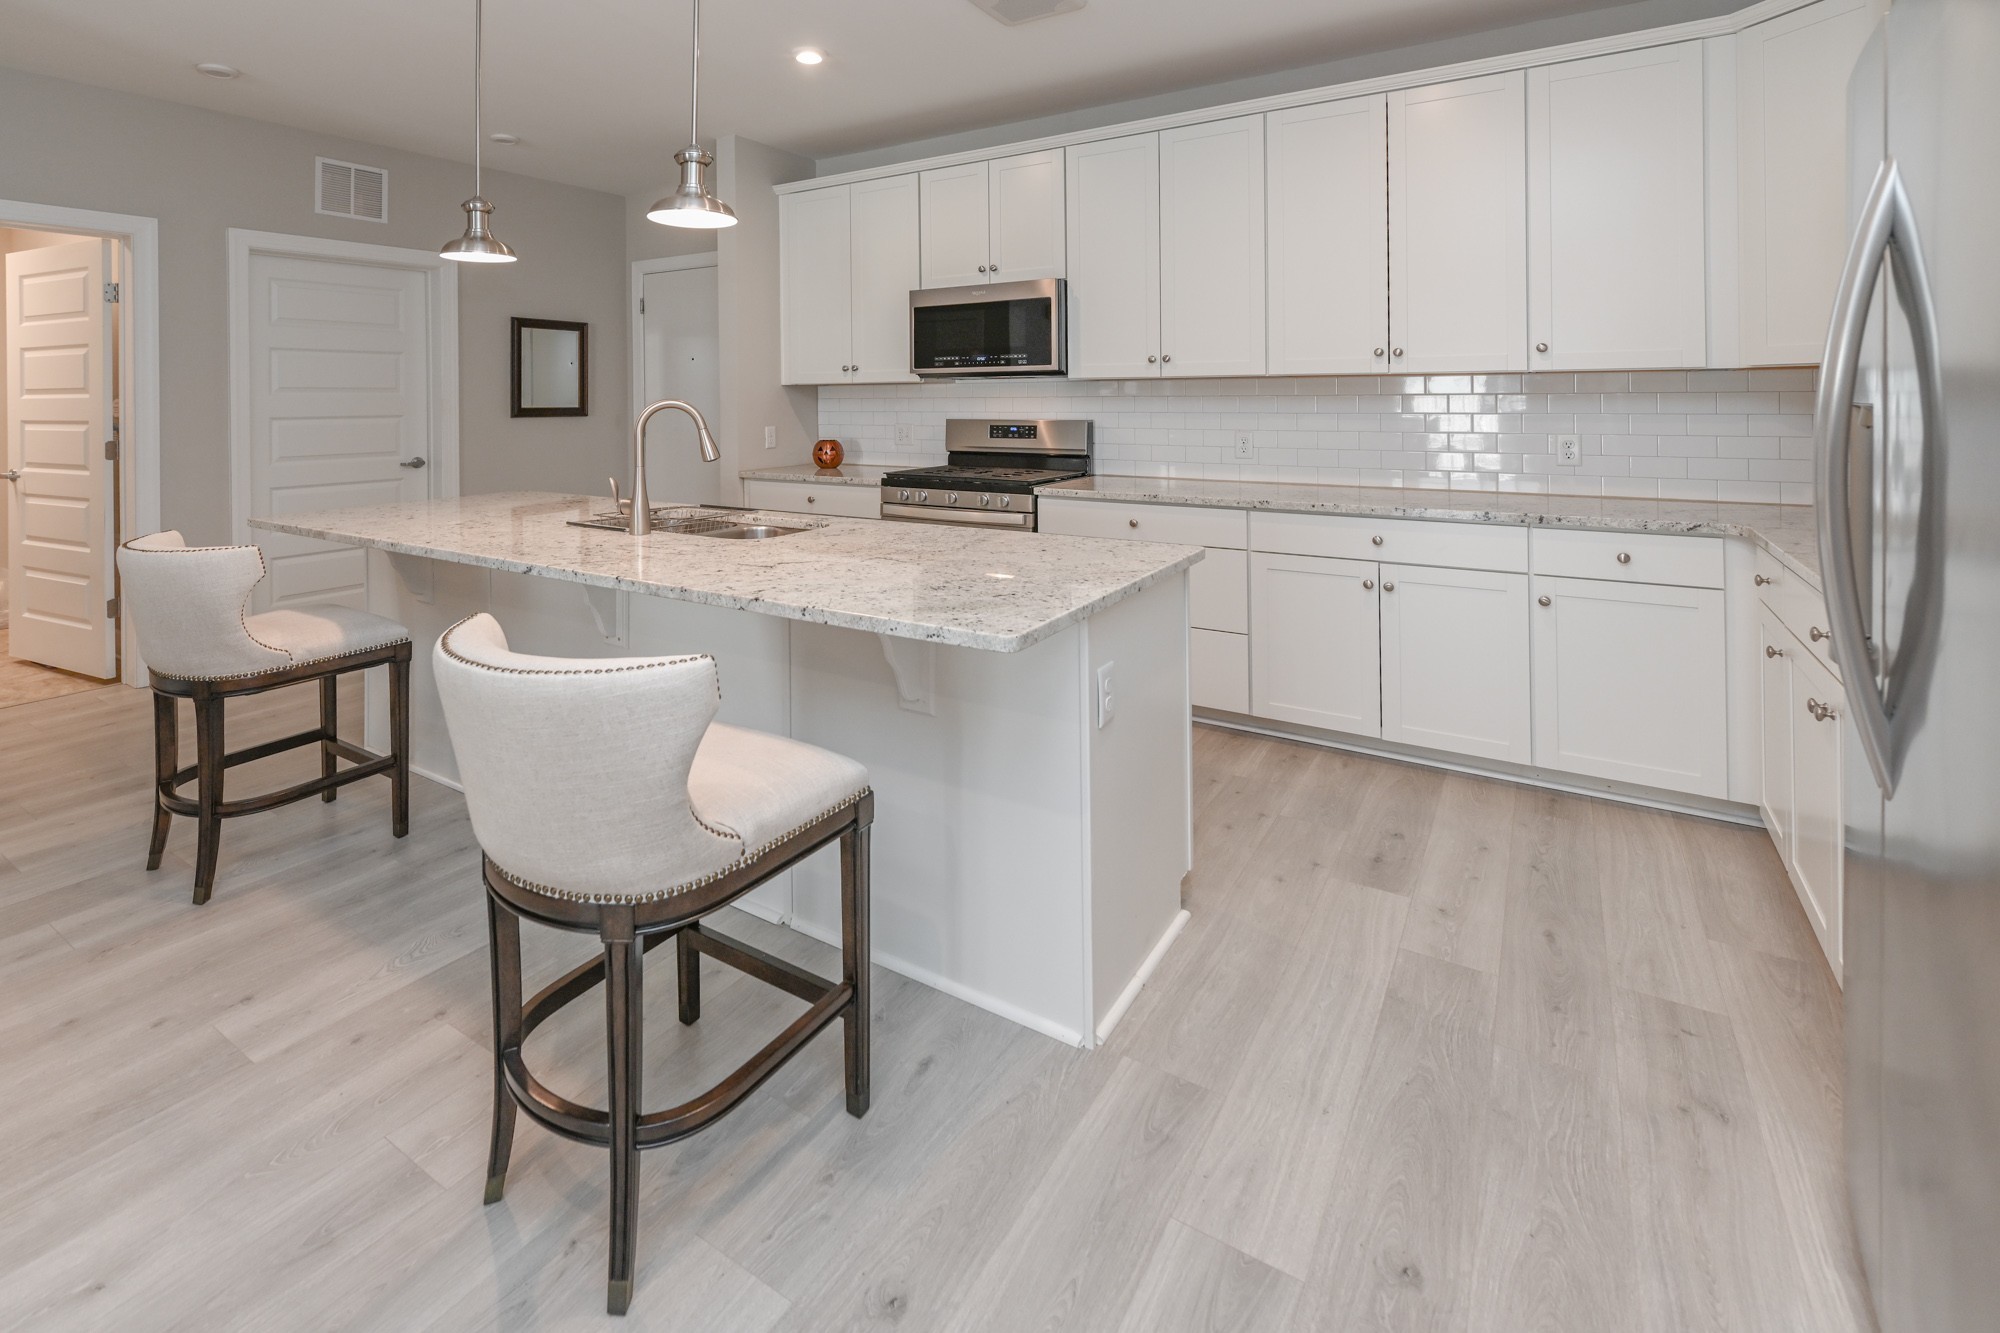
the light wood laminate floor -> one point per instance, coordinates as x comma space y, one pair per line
1433, 1053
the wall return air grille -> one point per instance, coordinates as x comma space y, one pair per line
350, 190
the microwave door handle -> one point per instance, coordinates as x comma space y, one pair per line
1887, 230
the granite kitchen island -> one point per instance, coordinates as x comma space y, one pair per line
1020, 701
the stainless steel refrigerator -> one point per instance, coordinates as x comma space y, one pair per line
1909, 459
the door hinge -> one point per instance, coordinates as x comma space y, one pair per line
111, 293
111, 609
111, 450
642, 305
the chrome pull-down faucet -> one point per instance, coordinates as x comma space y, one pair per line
642, 507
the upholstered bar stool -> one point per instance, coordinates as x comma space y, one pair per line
607, 800
188, 603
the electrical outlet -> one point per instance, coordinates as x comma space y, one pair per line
1244, 449
770, 437
1569, 450
1106, 701
902, 437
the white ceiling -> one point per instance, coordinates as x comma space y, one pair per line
597, 89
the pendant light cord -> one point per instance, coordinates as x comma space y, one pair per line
478, 62
694, 82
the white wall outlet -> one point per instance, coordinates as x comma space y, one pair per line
1244, 448
1107, 703
902, 437
770, 437
1569, 450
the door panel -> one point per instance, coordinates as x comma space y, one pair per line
815, 283
1026, 225
680, 358
61, 510
1455, 661
954, 214
1327, 196
1212, 255
1316, 636
339, 379
883, 237
1114, 258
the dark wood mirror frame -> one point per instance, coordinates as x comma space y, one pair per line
515, 341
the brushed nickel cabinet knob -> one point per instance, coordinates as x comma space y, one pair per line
1376, 540
1388, 586
1541, 347
1624, 557
1378, 351
1761, 580
1398, 351
1368, 584
1816, 634
1152, 360
1772, 650
1131, 522
1542, 601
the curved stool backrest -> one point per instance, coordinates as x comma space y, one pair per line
188, 602
576, 770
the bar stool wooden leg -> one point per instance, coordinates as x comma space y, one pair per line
329, 722
688, 962
503, 938
209, 757
624, 970
854, 951
166, 758
399, 741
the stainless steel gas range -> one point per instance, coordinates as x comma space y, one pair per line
992, 468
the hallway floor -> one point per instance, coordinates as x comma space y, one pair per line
24, 682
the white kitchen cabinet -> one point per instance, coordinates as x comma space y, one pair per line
847, 263
1818, 832
1455, 661
997, 221
1113, 189
1212, 248
1326, 226
1774, 704
813, 497
1630, 683
1219, 670
1458, 248
1791, 182
1617, 257
1315, 629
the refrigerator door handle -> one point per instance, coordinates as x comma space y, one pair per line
1887, 230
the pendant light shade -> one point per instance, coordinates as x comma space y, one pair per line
692, 205
479, 245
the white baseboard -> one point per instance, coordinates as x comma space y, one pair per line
1144, 974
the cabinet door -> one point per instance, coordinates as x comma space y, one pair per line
816, 299
1212, 249
1617, 255
1025, 222
1455, 661
952, 216
1327, 219
1774, 705
1219, 670
1114, 258
883, 217
1630, 683
1458, 210
1817, 851
1315, 633
1791, 174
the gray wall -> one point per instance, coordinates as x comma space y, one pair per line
201, 173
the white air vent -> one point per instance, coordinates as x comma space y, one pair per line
1012, 12
350, 190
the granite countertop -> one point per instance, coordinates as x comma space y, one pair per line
847, 474
1786, 531
1000, 591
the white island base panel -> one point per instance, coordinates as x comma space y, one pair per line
1026, 860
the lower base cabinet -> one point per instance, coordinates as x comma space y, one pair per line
1805, 746
1774, 705
1316, 625
1219, 670
1455, 661
1631, 683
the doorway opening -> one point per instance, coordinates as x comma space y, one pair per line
676, 353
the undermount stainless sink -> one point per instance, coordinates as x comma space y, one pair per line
696, 521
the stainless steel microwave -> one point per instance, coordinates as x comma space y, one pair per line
998, 328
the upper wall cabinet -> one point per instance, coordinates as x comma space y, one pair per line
1617, 267
1791, 125
1327, 228
998, 221
847, 265
1212, 248
1458, 207
1114, 258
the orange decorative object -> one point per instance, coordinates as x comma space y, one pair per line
828, 453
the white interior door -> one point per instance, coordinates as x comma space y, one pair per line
680, 359
61, 512
338, 371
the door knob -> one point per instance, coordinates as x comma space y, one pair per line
11, 474
413, 463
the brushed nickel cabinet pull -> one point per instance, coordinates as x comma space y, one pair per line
1376, 540
1388, 586
1816, 634
1772, 650
1368, 585
1624, 557
1761, 580
1543, 601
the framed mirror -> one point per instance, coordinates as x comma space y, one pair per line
551, 368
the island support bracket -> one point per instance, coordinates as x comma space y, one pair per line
914, 664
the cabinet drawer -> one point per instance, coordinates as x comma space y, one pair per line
1798, 606
1182, 525
1219, 670
1405, 541
1219, 592
1629, 557
808, 497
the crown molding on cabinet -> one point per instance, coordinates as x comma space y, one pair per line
1725, 25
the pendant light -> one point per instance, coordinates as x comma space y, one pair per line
478, 245
692, 205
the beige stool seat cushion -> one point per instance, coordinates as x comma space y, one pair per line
607, 780
315, 633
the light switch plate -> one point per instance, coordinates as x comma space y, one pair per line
770, 437
1107, 703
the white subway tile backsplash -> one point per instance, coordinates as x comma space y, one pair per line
1701, 434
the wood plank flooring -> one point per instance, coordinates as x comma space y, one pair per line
1433, 1052
22, 681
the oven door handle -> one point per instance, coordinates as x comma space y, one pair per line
978, 518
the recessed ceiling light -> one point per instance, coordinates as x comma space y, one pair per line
500, 136
216, 71
806, 55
